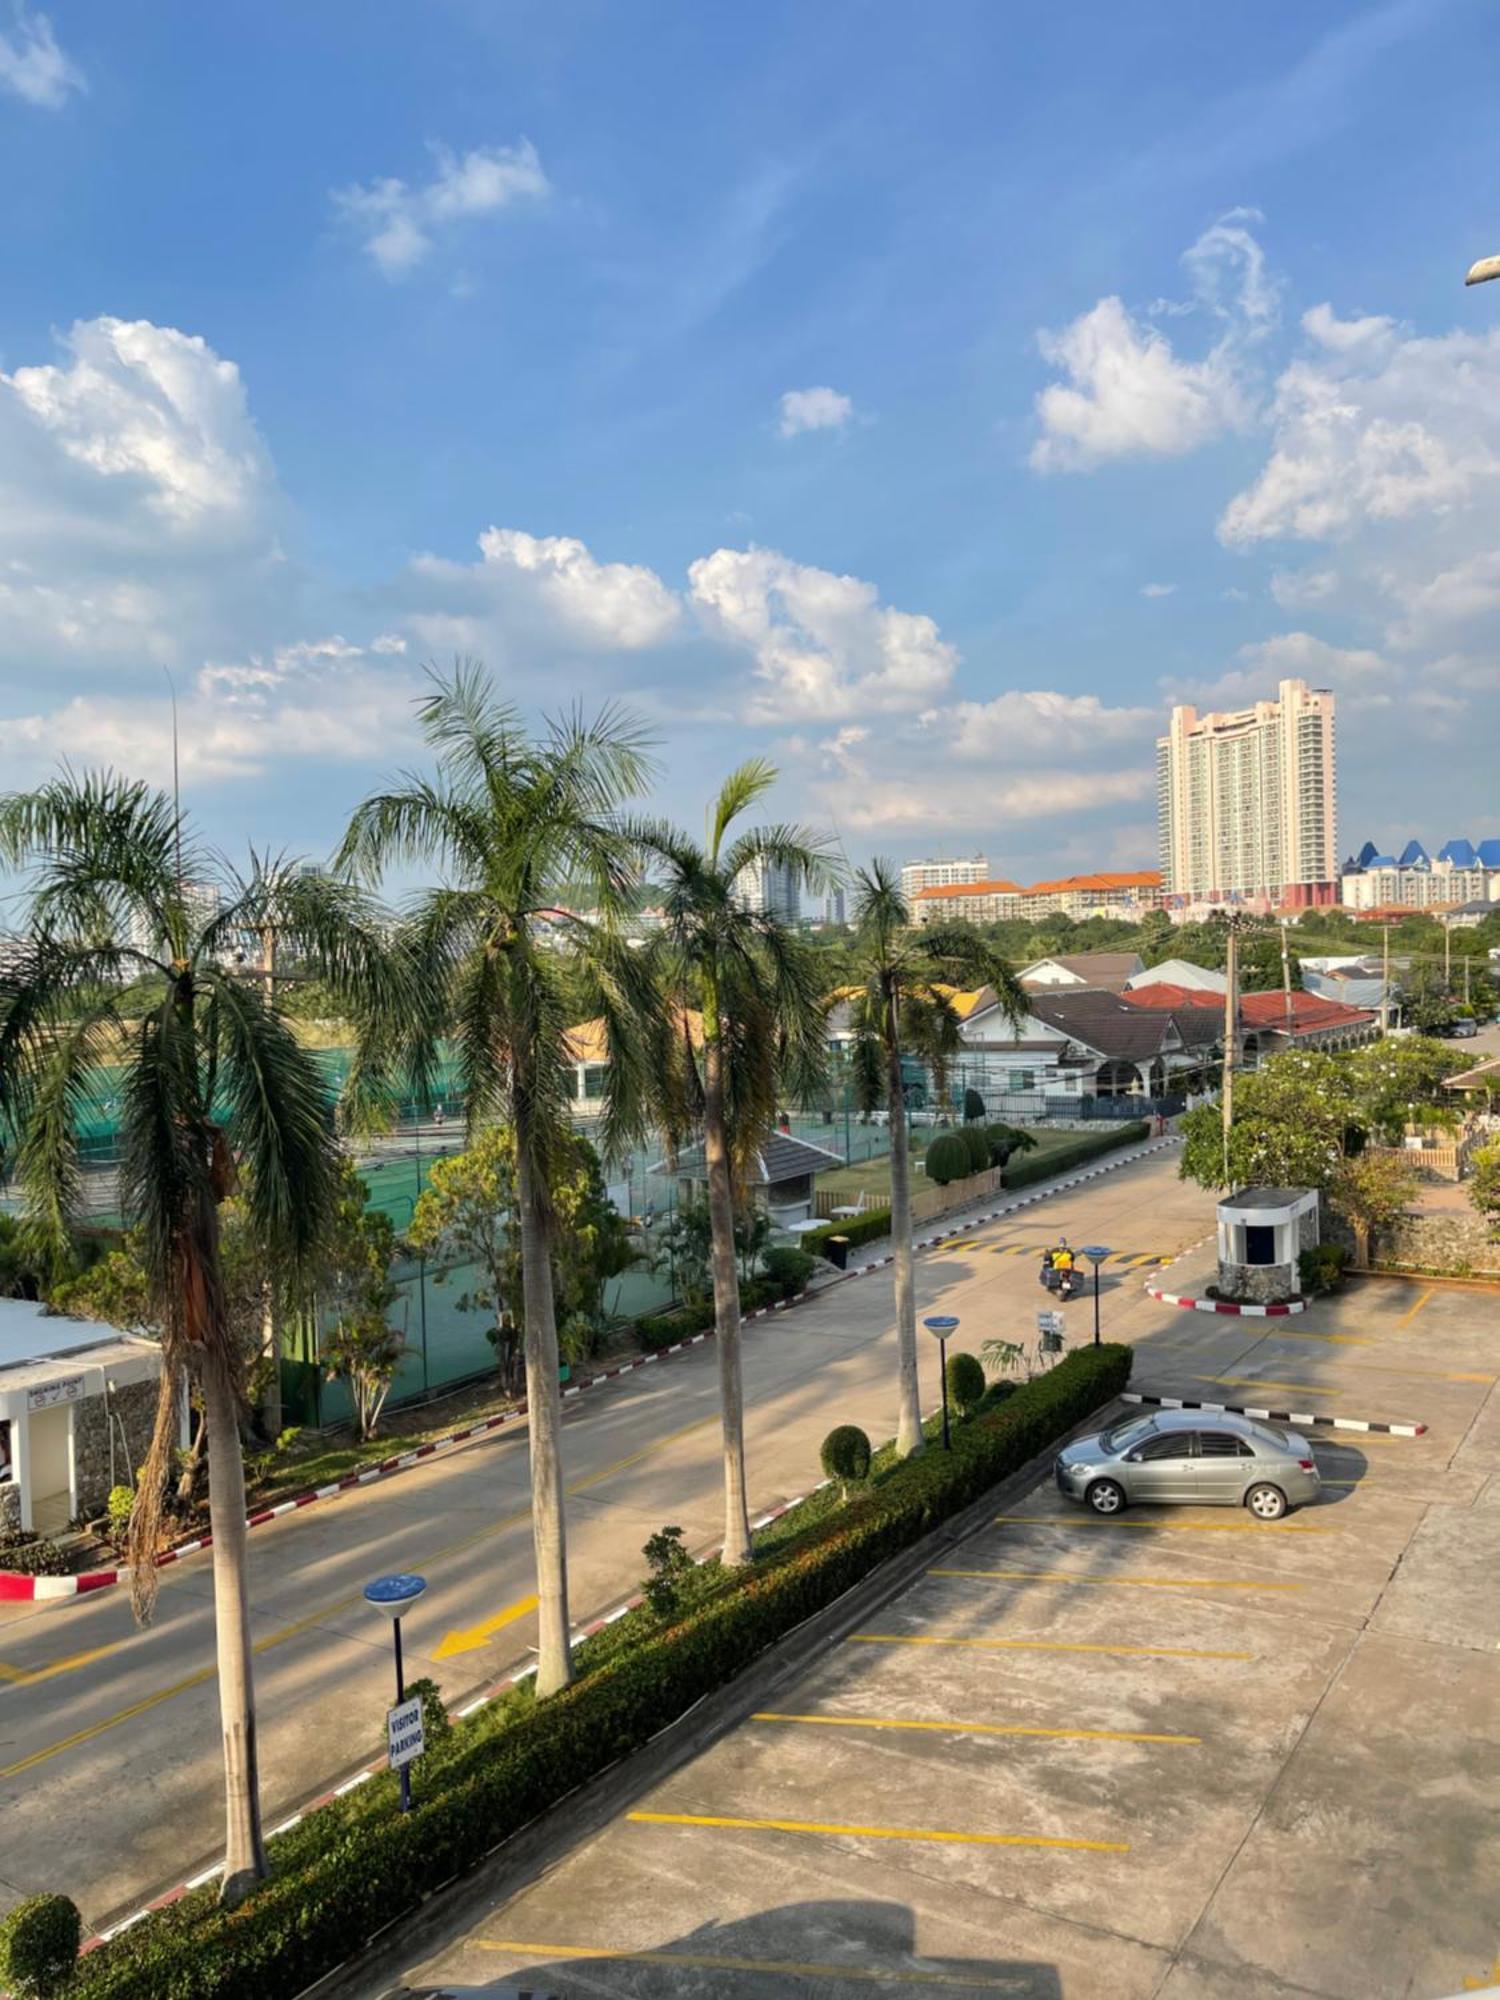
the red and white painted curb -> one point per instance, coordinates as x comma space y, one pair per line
1226, 1305
1277, 1416
363, 1775
15, 1588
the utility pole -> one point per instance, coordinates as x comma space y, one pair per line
1385, 977
1231, 1033
1447, 957
1286, 987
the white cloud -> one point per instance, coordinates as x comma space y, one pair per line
1038, 723
1345, 336
1293, 589
400, 223
1303, 656
1128, 392
823, 646
1374, 430
1463, 596
530, 587
814, 410
33, 67
1158, 589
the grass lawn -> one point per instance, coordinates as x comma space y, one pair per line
872, 1178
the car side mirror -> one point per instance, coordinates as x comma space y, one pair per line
1134, 1457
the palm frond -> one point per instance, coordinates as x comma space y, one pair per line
744, 785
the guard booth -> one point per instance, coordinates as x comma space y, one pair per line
1262, 1233
77, 1403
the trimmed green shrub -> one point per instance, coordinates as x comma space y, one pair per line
1321, 1269
787, 1271
866, 1228
436, 1722
1007, 1140
1042, 1165
948, 1158
966, 1383
846, 1455
35, 1558
120, 1506
657, 1330
351, 1868
39, 1946
973, 1106
977, 1146
668, 1563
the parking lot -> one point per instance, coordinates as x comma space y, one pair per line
1181, 1753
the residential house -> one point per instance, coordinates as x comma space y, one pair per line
1181, 973
1083, 972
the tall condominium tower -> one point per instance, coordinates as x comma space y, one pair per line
1247, 801
917, 875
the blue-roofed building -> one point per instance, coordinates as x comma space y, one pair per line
1489, 853
1458, 853
1464, 874
1415, 855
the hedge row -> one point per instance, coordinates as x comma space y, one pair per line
1045, 1162
866, 1228
343, 1878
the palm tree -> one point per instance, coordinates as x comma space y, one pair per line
514, 823
903, 1004
217, 1094
756, 986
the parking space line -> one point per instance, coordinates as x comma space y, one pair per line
1334, 1339
1410, 1314
1044, 1646
836, 1828
1116, 1582
944, 1727
783, 1968
1327, 1388
1159, 1527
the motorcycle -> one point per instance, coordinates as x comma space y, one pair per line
1065, 1284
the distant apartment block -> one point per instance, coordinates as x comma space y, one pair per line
772, 888
1127, 895
1463, 871
1247, 801
835, 906
918, 875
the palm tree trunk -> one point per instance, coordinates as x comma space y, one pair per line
244, 1846
544, 1425
726, 1300
909, 1437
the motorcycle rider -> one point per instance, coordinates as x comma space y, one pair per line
1062, 1256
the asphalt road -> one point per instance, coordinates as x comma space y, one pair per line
109, 1746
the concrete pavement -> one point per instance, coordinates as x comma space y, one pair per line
109, 1755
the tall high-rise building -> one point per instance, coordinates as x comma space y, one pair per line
917, 875
1247, 802
772, 887
835, 905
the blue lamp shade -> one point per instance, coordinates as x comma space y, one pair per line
395, 1595
1096, 1252
941, 1325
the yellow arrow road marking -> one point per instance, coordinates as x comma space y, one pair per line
468, 1639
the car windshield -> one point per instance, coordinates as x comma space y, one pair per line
1124, 1435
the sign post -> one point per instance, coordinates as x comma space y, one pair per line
942, 1326
395, 1595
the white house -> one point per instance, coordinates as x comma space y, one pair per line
1179, 972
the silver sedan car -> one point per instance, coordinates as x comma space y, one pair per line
1194, 1457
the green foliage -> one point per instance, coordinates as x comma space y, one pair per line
976, 1144
845, 1456
356, 1285
33, 1555
118, 1509
973, 1106
788, 1270
437, 1724
866, 1228
1372, 1191
681, 1249
352, 1868
1294, 1120
1006, 1141
1044, 1164
1320, 1270
20, 1273
668, 1562
966, 1383
948, 1159
39, 1941
1388, 1078
1484, 1184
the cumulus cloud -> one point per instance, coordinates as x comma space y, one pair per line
822, 646
33, 67
1129, 393
814, 410
1292, 589
400, 223
1157, 589
1038, 722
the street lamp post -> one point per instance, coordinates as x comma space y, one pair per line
395, 1595
943, 1326
1096, 1254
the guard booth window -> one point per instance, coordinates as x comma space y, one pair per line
1260, 1243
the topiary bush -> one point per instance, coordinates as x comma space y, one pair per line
1321, 1269
966, 1383
39, 1946
977, 1146
866, 1228
948, 1159
787, 1270
1007, 1140
846, 1456
973, 1106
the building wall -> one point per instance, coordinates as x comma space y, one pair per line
1247, 800
917, 875
134, 1412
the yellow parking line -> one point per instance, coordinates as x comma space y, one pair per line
1160, 1527
783, 1968
979, 1728
1116, 1582
1334, 1339
922, 1833
1043, 1646
1410, 1314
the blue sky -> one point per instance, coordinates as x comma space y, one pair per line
923, 397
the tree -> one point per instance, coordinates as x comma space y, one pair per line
356, 1286
904, 1006
754, 983
500, 967
215, 1094
1294, 1122
1484, 1184
467, 1214
1391, 1078
1372, 1191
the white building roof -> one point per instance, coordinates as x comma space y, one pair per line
31, 1336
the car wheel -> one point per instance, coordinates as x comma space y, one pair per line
1105, 1496
1266, 1503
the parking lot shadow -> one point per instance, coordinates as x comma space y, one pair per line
797, 1951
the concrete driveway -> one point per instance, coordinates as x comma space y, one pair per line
1182, 1754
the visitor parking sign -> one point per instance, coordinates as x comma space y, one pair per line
404, 1732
